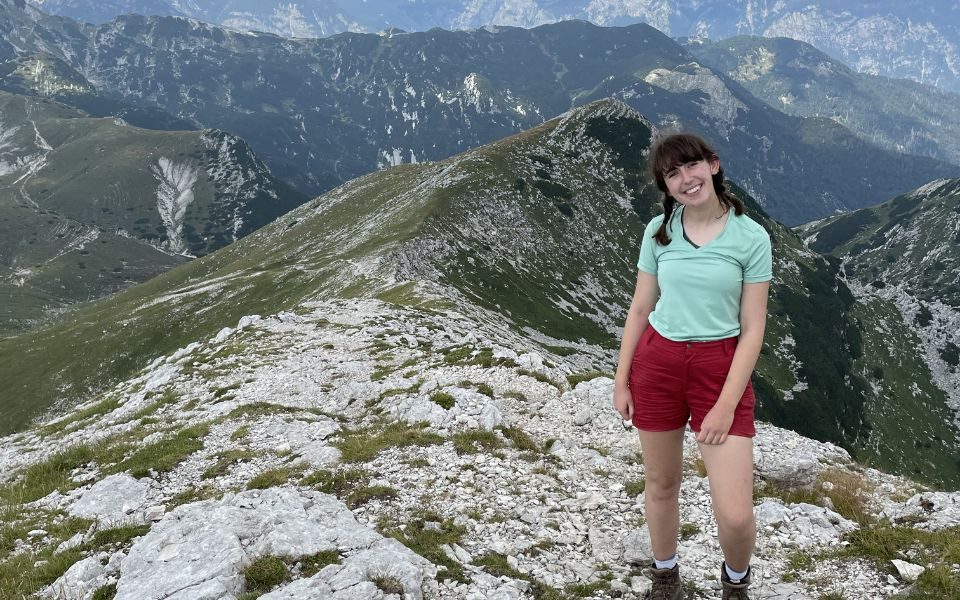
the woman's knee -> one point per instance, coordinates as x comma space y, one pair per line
664, 487
736, 520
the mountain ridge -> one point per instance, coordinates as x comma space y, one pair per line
349, 105
904, 40
415, 234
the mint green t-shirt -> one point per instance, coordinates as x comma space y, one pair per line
700, 288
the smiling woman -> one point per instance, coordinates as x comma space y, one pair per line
690, 343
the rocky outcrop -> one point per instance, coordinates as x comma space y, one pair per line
522, 482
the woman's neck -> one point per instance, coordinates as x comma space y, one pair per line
703, 216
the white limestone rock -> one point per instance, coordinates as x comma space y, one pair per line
789, 469
198, 550
908, 572
637, 549
117, 499
418, 409
84, 578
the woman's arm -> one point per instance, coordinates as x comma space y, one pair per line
645, 297
753, 320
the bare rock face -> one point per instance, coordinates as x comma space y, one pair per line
199, 551
117, 499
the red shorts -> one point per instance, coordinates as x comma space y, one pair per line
672, 382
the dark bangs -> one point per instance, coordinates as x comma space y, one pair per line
673, 150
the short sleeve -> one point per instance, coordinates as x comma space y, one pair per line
759, 263
648, 259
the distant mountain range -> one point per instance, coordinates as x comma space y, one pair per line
799, 80
89, 206
538, 234
320, 112
909, 39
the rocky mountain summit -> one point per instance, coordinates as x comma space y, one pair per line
362, 449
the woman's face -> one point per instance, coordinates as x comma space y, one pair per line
691, 183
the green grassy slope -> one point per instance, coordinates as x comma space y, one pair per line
80, 205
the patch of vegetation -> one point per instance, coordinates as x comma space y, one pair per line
313, 564
634, 487
443, 399
166, 454
496, 564
239, 433
539, 377
951, 354
847, 490
265, 573
105, 592
574, 378
366, 494
220, 392
338, 483
520, 439
273, 477
168, 397
458, 354
484, 389
364, 444
116, 536
96, 410
474, 440
227, 459
427, 540
259, 409
39, 479
196, 494
688, 530
388, 585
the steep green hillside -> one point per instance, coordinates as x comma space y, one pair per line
538, 232
906, 254
89, 206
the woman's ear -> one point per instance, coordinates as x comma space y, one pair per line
714, 165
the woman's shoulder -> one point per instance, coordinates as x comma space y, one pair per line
749, 226
654, 223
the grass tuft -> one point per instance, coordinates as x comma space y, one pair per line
273, 478
265, 573
363, 445
366, 494
443, 399
474, 440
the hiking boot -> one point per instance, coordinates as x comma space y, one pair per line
666, 583
734, 591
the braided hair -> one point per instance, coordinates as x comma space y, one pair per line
671, 151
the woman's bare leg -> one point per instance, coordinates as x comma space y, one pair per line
730, 471
663, 465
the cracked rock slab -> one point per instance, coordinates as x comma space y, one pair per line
198, 551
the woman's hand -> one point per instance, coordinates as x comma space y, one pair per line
623, 401
716, 425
